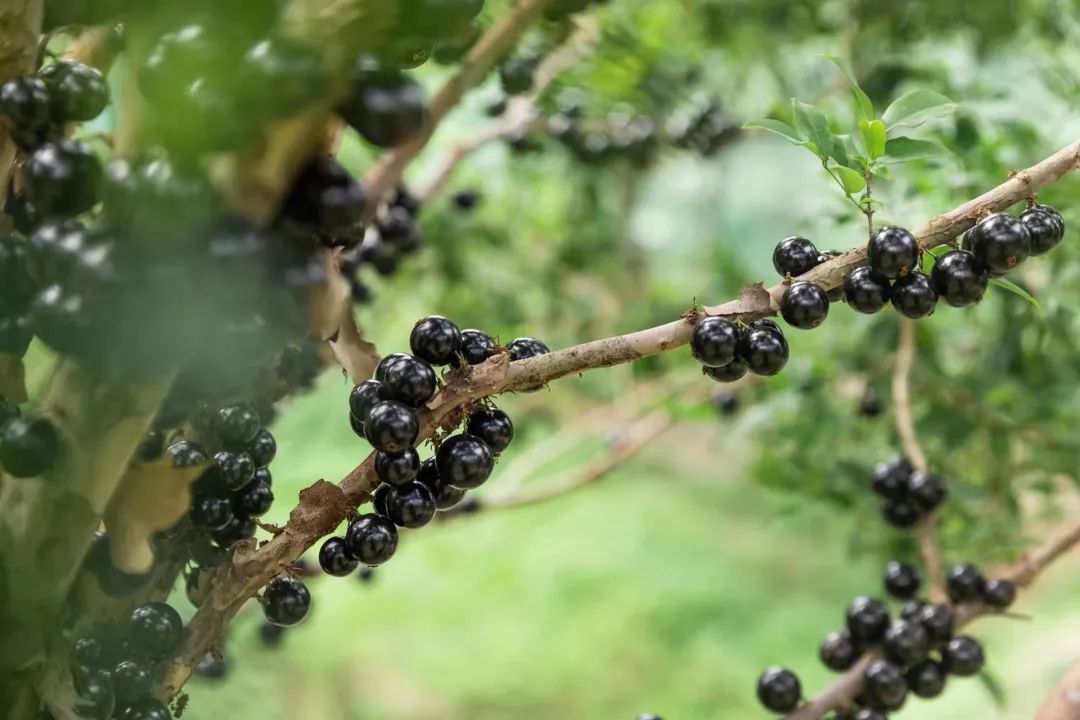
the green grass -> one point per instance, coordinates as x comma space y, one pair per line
666, 589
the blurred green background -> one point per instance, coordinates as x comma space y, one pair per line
731, 542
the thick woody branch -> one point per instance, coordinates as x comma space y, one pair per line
1064, 701
324, 505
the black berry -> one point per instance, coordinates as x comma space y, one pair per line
805, 305
335, 558
381, 497
95, 698
727, 403
999, 593
25, 102
90, 654
476, 347
212, 668
77, 91
397, 468
891, 478
866, 291
253, 500
436, 340
235, 469
912, 610
794, 256
237, 424
779, 690
1045, 226
838, 651
410, 380
239, 528
211, 512
28, 446
867, 620
391, 426
446, 495
270, 634
386, 108
939, 621
893, 252
411, 506
927, 679
363, 397
286, 601
155, 629
727, 373
965, 583
900, 513
386, 362
62, 178
906, 642
914, 295
870, 404
927, 490
884, 686
901, 580
523, 348
372, 539
999, 242
959, 279
713, 341
146, 708
131, 681
866, 714
185, 453
493, 426
464, 461
963, 656
262, 448
763, 350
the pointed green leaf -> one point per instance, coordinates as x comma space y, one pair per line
866, 108
777, 127
904, 149
873, 135
916, 107
993, 686
852, 180
1016, 290
813, 124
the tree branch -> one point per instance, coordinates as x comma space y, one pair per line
1064, 701
324, 505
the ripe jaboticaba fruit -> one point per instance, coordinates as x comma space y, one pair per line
713, 341
939, 621
891, 478
253, 500
493, 426
77, 91
927, 490
867, 620
906, 642
233, 469
726, 373
262, 448
884, 686
63, 179
410, 380
901, 580
893, 252
959, 278
866, 291
436, 340
155, 629
999, 593
286, 601
476, 347
900, 513
779, 689
1045, 226
464, 461
391, 426
762, 348
446, 495
412, 505
1000, 242
838, 651
25, 103
523, 348
965, 583
805, 305
28, 446
237, 424
372, 539
794, 256
363, 397
914, 295
963, 656
335, 558
927, 679
385, 106
397, 468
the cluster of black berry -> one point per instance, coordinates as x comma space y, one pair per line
915, 652
115, 668
37, 108
704, 131
907, 494
28, 445
394, 234
727, 351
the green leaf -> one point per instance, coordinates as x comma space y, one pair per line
873, 135
777, 127
852, 180
866, 108
904, 149
994, 687
916, 107
1016, 290
812, 123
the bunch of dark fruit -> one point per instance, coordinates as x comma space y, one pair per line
393, 235
385, 105
907, 494
36, 108
728, 351
116, 668
913, 653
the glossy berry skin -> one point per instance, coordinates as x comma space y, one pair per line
391, 426
728, 373
262, 448
155, 629
927, 490
870, 405
237, 529
25, 102
1045, 226
906, 642
999, 242
412, 506
386, 111
838, 651
938, 621
386, 362
901, 514
794, 256
476, 347
436, 340
286, 601
335, 558
866, 291
464, 461
927, 679
963, 656
147, 708
999, 593
884, 686
270, 634
185, 453
131, 681
901, 580
372, 539
235, 469
891, 478
95, 698
762, 350
868, 714
212, 668
779, 690
959, 279
89, 654
237, 424
210, 512
78, 92
363, 397
893, 252
867, 620
63, 179
523, 348
410, 380
380, 499
805, 305
712, 341
493, 426
253, 500
912, 610
28, 446
914, 295
397, 468
446, 495
965, 583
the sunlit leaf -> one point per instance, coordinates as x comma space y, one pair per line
866, 107
916, 107
852, 180
905, 149
777, 127
1016, 290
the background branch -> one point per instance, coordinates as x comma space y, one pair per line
1064, 701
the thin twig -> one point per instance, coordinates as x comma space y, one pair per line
868, 206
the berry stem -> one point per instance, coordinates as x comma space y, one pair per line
867, 206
